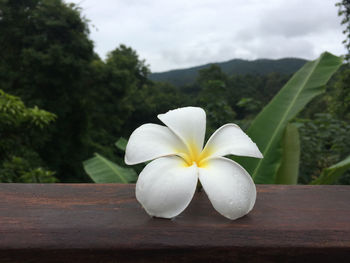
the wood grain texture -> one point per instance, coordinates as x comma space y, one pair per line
104, 223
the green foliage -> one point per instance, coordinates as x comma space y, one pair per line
19, 170
258, 91
45, 59
148, 101
13, 113
268, 127
331, 175
121, 144
13, 168
344, 11
111, 100
339, 102
324, 142
288, 171
248, 106
102, 170
21, 130
213, 84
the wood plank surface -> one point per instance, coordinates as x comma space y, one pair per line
104, 223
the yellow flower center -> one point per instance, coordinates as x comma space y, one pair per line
194, 156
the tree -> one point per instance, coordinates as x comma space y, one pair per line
339, 102
121, 90
22, 131
344, 11
324, 141
213, 97
117, 91
45, 55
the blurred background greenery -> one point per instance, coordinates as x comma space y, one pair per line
60, 103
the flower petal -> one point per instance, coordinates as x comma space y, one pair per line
166, 186
229, 187
189, 124
151, 141
230, 139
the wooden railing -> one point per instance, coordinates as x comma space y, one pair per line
104, 223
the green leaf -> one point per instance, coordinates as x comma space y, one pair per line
101, 170
267, 128
331, 174
289, 169
121, 144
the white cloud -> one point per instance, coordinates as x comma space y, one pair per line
182, 33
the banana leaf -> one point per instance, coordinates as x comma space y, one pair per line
289, 169
331, 174
121, 144
267, 128
101, 170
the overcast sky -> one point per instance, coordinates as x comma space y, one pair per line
171, 34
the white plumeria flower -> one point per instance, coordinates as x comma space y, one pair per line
166, 185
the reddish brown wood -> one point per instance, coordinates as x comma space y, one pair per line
104, 223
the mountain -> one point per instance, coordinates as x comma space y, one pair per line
181, 77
